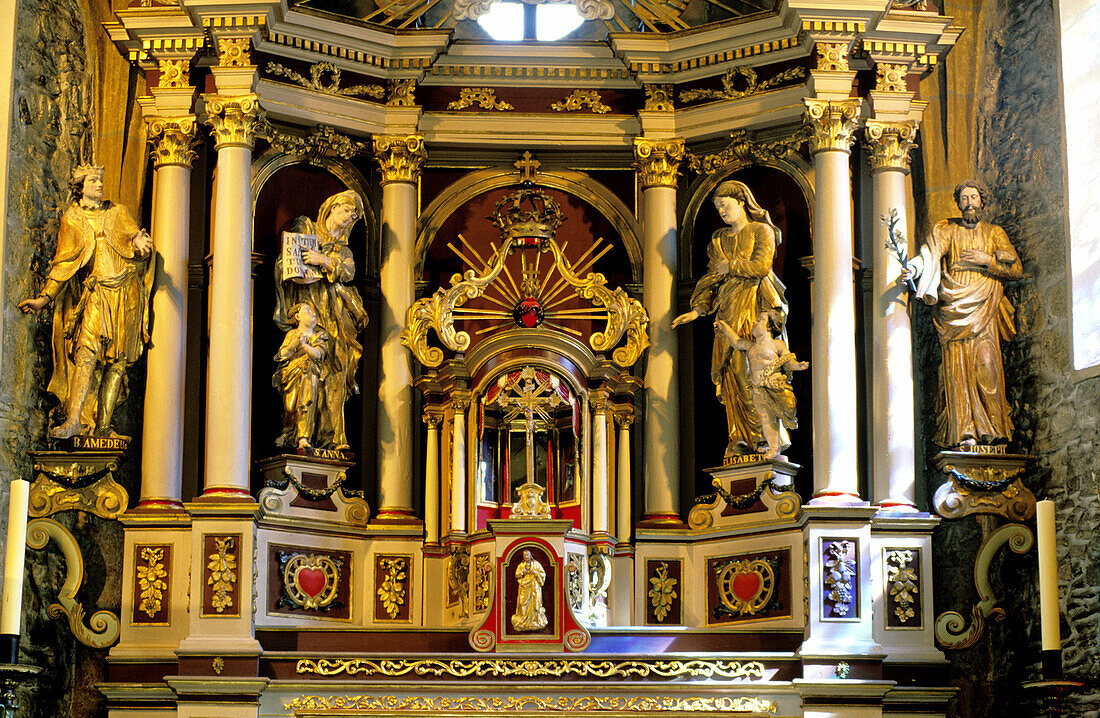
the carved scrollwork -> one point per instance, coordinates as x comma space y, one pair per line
102, 629
483, 97
658, 98
322, 143
579, 99
318, 73
753, 85
67, 481
744, 151
656, 670
951, 629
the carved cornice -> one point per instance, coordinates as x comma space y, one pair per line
173, 140
890, 143
832, 124
657, 162
400, 157
658, 98
579, 99
235, 120
890, 77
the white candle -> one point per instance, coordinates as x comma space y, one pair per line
1048, 576
11, 610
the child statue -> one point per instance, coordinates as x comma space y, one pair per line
770, 366
300, 374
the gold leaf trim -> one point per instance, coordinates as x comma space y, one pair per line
498, 704
579, 99
483, 97
465, 668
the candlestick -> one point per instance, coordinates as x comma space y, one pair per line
11, 608
1048, 589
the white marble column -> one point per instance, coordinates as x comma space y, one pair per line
624, 526
833, 361
431, 478
173, 140
399, 158
599, 401
229, 367
458, 464
892, 424
657, 163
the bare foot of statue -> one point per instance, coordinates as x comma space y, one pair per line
968, 442
303, 443
342, 447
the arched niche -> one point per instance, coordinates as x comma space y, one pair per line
284, 188
576, 184
785, 189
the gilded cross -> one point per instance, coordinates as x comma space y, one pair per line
527, 167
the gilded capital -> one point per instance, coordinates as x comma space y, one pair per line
433, 417
236, 120
399, 157
832, 124
172, 140
460, 401
890, 143
657, 162
624, 418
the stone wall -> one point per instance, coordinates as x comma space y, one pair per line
53, 129
1002, 124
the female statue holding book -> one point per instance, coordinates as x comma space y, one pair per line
738, 286
318, 275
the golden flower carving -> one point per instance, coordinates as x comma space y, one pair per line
392, 591
662, 591
903, 583
223, 572
151, 582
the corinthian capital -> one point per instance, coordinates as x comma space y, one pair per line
657, 162
235, 119
832, 123
172, 140
399, 157
890, 143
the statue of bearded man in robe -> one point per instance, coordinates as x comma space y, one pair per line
961, 271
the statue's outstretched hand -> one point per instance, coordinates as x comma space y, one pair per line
143, 244
685, 318
726, 331
34, 305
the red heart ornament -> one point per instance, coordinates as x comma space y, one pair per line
311, 580
746, 586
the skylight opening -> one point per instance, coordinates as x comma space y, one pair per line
506, 21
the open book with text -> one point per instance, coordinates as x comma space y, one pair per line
295, 269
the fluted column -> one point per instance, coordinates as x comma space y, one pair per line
892, 426
229, 368
431, 478
599, 401
624, 528
833, 363
657, 163
459, 403
173, 140
399, 158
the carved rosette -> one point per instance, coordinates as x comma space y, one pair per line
890, 143
400, 157
832, 124
402, 93
658, 98
890, 77
234, 52
236, 120
173, 140
174, 73
657, 162
832, 56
